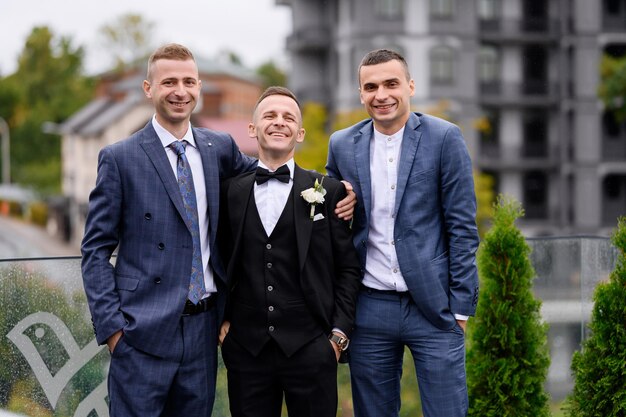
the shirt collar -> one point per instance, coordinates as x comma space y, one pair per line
290, 164
378, 136
167, 138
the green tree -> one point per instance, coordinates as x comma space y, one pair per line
129, 38
483, 187
612, 89
600, 368
48, 86
312, 152
229, 56
271, 74
508, 357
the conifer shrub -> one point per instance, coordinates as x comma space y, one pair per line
600, 367
508, 355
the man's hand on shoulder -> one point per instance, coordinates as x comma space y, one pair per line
345, 208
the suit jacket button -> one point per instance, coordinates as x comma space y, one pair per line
157, 280
161, 246
269, 264
147, 216
271, 328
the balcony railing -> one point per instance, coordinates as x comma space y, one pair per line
526, 93
50, 360
520, 30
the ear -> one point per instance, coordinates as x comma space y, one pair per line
412, 87
146, 88
251, 131
300, 135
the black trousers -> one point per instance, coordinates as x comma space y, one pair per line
307, 379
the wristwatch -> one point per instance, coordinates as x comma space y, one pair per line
341, 341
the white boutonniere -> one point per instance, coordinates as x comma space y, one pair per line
314, 195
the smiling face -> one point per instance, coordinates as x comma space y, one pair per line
386, 92
174, 88
277, 126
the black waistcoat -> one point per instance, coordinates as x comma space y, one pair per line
267, 300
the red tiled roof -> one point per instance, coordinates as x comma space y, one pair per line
238, 129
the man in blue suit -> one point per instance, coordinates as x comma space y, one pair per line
414, 228
156, 200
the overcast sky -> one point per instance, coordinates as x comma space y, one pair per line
254, 29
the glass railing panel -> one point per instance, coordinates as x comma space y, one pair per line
567, 271
51, 365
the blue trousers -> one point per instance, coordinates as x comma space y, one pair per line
385, 324
180, 384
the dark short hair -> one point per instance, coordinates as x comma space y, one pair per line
173, 51
276, 90
380, 56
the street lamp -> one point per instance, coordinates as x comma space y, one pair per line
6, 152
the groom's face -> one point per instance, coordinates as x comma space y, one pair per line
277, 126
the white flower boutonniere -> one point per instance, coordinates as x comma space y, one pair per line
314, 195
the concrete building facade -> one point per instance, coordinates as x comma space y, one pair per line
526, 71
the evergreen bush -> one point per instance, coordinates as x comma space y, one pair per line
600, 368
508, 356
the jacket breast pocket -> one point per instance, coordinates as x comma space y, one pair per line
126, 283
420, 176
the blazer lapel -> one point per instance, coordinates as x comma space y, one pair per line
211, 180
302, 212
408, 150
239, 193
362, 160
156, 153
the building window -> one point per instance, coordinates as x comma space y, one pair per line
442, 65
614, 198
488, 127
613, 6
388, 9
611, 128
488, 64
535, 134
535, 189
442, 9
612, 187
488, 9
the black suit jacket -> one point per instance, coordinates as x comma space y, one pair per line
329, 267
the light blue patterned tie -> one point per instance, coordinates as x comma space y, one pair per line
188, 192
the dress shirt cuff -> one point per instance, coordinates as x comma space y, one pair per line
337, 330
461, 317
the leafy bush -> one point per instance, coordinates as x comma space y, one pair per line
600, 368
508, 356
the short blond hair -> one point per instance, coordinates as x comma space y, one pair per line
172, 51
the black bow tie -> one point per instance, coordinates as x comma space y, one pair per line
281, 174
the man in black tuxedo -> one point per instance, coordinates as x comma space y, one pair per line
293, 275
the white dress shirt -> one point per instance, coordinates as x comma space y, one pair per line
382, 270
195, 162
271, 197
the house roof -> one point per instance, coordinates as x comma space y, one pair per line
238, 129
99, 114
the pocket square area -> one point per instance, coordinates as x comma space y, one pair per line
318, 216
